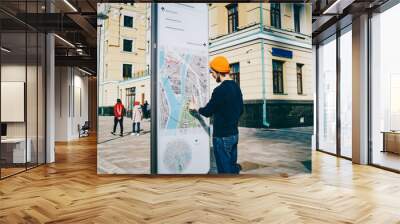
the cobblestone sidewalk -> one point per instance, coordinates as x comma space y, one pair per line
261, 151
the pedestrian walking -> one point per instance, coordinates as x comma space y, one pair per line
144, 109
149, 111
118, 117
137, 116
226, 107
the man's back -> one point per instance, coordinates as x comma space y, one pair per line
118, 110
226, 106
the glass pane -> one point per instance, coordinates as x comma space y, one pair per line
31, 98
13, 80
31, 86
41, 99
327, 96
386, 89
128, 21
296, 13
346, 94
128, 45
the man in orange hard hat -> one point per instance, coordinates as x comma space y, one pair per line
226, 107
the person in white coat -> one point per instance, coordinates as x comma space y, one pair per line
137, 116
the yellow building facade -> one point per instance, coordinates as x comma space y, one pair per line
269, 48
124, 58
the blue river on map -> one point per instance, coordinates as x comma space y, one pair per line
162, 58
175, 101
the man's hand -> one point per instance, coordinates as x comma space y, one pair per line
193, 105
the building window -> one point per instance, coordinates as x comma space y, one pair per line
127, 45
277, 69
296, 15
233, 17
127, 71
128, 21
235, 72
299, 69
276, 15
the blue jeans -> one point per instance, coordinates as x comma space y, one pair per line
136, 127
225, 151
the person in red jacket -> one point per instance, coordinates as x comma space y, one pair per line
118, 117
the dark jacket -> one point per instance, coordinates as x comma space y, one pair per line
226, 107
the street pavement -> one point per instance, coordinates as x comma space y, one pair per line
260, 151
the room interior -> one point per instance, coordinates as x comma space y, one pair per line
22, 101
28, 63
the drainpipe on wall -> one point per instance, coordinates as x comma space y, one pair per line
265, 122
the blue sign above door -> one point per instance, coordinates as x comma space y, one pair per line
282, 53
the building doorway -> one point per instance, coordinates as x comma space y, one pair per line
130, 100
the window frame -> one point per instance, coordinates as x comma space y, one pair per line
275, 17
233, 73
132, 45
124, 21
299, 77
278, 77
233, 17
297, 18
123, 71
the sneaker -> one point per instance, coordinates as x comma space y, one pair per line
137, 134
239, 168
113, 133
121, 135
133, 134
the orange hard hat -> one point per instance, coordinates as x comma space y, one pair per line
220, 64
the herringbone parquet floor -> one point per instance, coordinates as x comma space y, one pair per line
70, 191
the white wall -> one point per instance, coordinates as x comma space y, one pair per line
61, 103
14, 73
71, 102
33, 105
80, 112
